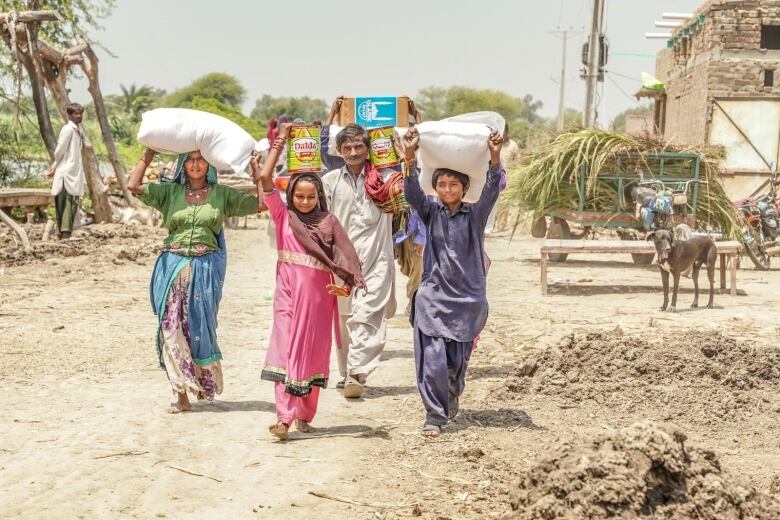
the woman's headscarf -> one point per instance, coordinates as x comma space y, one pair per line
272, 130
180, 176
322, 236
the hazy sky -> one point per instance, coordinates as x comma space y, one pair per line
323, 49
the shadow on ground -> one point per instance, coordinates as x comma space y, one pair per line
396, 353
502, 418
235, 406
489, 371
344, 430
375, 392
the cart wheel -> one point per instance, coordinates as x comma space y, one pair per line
539, 227
558, 229
642, 258
638, 258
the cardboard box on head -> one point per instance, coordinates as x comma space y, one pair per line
375, 111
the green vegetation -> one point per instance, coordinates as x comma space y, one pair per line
526, 126
305, 108
218, 86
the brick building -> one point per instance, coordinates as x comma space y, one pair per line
722, 76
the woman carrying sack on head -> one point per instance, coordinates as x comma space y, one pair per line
450, 308
186, 285
312, 248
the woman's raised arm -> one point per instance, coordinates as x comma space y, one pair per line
266, 176
136, 181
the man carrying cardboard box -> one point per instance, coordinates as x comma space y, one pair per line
355, 194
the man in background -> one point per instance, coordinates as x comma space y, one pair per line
68, 171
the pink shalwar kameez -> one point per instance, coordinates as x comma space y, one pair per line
298, 357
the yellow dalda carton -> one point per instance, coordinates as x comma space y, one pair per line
381, 148
303, 149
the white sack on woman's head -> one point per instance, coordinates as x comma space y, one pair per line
224, 144
262, 145
458, 146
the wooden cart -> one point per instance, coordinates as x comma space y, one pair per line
627, 171
29, 200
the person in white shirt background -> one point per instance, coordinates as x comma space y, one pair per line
67, 171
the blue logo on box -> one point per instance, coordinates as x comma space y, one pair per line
375, 111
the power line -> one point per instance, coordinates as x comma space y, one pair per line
626, 77
632, 98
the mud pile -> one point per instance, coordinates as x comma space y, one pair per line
699, 376
643, 471
103, 242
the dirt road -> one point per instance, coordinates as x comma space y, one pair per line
85, 434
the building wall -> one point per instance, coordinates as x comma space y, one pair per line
737, 25
739, 77
640, 125
687, 106
721, 59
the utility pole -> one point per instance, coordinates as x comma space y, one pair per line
562, 95
564, 36
593, 65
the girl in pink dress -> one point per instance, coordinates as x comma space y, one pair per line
312, 247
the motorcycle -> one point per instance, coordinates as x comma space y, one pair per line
761, 229
657, 201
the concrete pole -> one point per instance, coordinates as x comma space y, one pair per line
562, 96
592, 73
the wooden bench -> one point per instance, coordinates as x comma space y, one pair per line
730, 249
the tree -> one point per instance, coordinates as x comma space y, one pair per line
216, 93
219, 86
522, 114
619, 122
134, 100
530, 108
432, 102
305, 108
230, 112
78, 16
47, 53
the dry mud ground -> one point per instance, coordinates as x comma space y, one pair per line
84, 433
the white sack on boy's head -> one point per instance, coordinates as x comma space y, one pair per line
492, 119
459, 146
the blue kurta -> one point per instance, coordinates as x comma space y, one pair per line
452, 301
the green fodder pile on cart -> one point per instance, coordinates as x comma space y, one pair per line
548, 176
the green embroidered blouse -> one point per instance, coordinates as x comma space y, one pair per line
192, 228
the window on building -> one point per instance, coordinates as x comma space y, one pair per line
770, 36
769, 78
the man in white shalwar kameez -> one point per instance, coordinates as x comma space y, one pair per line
68, 171
364, 315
